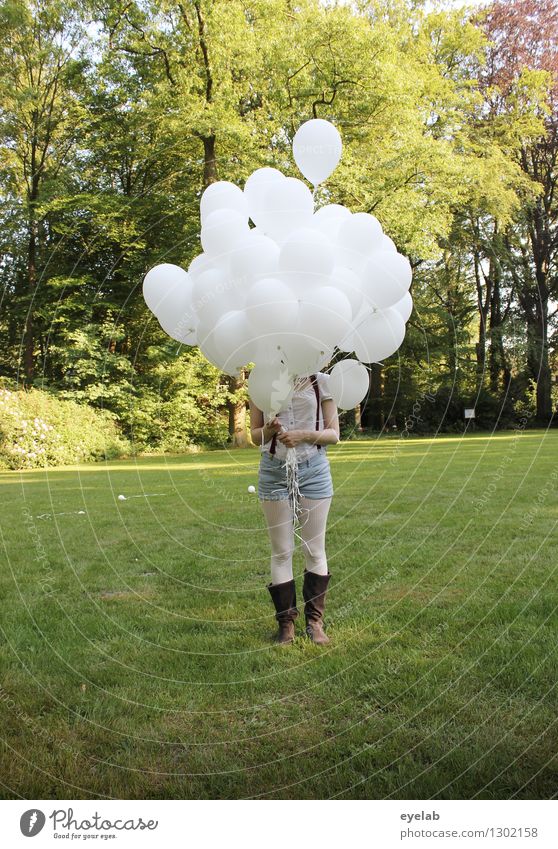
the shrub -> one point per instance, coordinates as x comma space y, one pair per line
191, 397
38, 430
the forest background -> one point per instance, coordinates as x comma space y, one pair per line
114, 117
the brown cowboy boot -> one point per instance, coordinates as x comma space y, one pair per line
314, 591
284, 600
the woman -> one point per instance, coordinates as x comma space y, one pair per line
308, 424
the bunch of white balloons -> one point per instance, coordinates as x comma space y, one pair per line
286, 292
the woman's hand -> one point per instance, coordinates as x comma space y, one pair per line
291, 438
271, 428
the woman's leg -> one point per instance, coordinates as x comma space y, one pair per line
279, 518
313, 521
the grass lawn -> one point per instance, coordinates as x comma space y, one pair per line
135, 642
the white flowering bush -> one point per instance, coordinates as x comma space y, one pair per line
39, 430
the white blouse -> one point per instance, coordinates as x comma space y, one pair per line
301, 415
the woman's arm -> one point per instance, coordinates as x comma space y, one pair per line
328, 436
330, 433
257, 426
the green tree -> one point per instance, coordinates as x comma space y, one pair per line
41, 81
522, 56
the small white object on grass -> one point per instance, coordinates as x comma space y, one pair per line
122, 498
251, 489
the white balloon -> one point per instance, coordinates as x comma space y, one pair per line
222, 231
267, 350
317, 149
208, 346
319, 362
165, 281
176, 305
386, 277
183, 329
325, 315
388, 244
358, 237
286, 205
222, 195
168, 288
328, 220
305, 258
365, 311
332, 211
200, 264
347, 344
234, 339
349, 283
270, 388
379, 335
405, 306
256, 257
271, 306
348, 383
303, 354
255, 188
214, 294
257, 231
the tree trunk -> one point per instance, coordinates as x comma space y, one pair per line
539, 366
358, 419
373, 413
539, 162
29, 333
209, 161
32, 248
481, 352
544, 391
535, 305
237, 416
499, 369
483, 301
236, 409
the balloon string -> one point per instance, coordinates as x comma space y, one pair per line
367, 367
291, 468
293, 488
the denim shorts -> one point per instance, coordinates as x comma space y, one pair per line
314, 477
